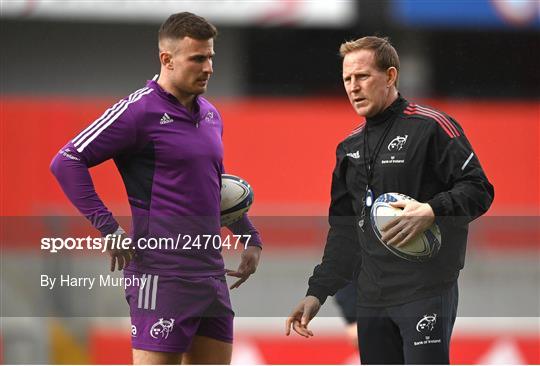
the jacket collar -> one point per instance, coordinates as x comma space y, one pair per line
396, 107
165, 94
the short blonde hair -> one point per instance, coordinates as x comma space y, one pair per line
385, 54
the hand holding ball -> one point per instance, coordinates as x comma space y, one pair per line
420, 248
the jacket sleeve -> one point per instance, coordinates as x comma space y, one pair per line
341, 253
110, 135
243, 227
468, 192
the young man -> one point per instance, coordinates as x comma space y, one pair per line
406, 310
166, 142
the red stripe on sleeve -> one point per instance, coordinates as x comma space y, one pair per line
358, 129
443, 117
413, 110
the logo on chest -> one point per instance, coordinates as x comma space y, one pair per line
397, 143
165, 119
209, 117
354, 155
396, 151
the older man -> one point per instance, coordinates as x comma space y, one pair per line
405, 309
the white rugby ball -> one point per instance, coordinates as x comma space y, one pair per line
236, 198
421, 248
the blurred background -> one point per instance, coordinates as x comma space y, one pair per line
277, 83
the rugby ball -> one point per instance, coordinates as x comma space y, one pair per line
236, 198
421, 248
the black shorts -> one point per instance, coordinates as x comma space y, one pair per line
413, 333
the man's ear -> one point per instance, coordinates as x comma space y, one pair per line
165, 58
391, 75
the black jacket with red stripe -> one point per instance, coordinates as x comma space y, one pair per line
426, 156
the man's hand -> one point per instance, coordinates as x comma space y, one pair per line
302, 315
416, 218
120, 257
248, 265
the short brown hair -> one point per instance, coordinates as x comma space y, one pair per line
385, 54
185, 24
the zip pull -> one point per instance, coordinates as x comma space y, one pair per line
197, 124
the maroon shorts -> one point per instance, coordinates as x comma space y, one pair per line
168, 311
